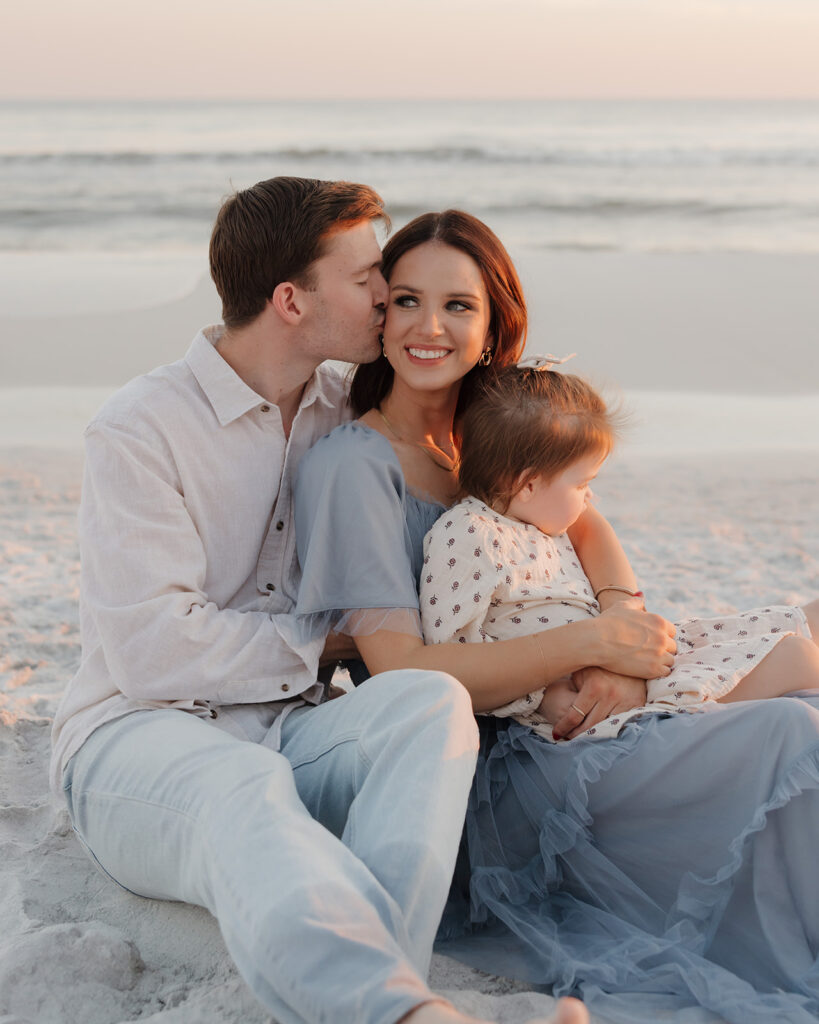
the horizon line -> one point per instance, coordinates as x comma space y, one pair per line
624, 98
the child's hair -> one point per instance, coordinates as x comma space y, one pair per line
526, 422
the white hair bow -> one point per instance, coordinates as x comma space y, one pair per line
545, 362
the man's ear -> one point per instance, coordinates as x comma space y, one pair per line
288, 301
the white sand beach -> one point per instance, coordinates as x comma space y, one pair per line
714, 493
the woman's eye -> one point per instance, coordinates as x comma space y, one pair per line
457, 305
405, 301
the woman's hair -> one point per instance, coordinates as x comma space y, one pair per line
274, 232
526, 422
508, 319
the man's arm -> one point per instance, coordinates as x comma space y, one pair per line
144, 572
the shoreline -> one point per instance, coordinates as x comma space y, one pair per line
735, 323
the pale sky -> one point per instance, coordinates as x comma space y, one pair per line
269, 49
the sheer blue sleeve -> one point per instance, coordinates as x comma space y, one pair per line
354, 544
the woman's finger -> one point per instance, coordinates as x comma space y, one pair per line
566, 725
596, 714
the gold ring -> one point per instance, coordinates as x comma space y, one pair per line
578, 710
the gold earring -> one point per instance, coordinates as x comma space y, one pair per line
485, 357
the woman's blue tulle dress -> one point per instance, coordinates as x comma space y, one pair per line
668, 872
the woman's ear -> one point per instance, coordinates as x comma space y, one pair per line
288, 301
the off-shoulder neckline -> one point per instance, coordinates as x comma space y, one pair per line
420, 499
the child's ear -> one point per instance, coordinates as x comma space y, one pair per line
524, 486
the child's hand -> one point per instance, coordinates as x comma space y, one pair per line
600, 694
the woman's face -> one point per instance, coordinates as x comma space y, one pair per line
437, 316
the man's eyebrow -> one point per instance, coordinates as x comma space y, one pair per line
370, 266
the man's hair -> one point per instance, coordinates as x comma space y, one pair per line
274, 232
508, 318
525, 423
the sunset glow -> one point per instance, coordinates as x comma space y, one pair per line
321, 49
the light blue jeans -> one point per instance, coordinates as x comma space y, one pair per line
326, 865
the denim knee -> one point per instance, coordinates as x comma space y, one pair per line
417, 692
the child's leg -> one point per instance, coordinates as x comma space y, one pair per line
792, 665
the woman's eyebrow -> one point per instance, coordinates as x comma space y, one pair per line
451, 295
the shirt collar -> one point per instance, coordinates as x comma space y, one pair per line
227, 393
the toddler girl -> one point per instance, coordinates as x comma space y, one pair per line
500, 564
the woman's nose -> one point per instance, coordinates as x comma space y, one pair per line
431, 326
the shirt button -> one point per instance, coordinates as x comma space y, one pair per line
285, 687
280, 525
264, 408
270, 586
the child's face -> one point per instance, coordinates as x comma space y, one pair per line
555, 504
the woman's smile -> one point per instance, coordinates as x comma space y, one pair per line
426, 354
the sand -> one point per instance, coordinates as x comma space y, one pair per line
713, 494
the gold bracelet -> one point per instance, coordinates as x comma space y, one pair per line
622, 590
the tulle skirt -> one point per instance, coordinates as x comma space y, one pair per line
671, 868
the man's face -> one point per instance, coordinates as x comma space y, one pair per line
345, 307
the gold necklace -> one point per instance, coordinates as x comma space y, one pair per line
424, 448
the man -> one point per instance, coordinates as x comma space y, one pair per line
196, 750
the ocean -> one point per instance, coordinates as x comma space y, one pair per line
146, 178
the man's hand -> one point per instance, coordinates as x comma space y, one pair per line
600, 693
338, 647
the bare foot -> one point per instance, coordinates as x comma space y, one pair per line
569, 1011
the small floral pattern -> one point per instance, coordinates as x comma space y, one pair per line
513, 580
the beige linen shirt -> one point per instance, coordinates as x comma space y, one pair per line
189, 565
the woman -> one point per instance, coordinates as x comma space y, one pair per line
633, 871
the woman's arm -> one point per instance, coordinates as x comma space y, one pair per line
602, 556
624, 639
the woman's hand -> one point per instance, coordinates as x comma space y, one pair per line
635, 642
600, 693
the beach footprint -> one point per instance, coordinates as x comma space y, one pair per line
68, 972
